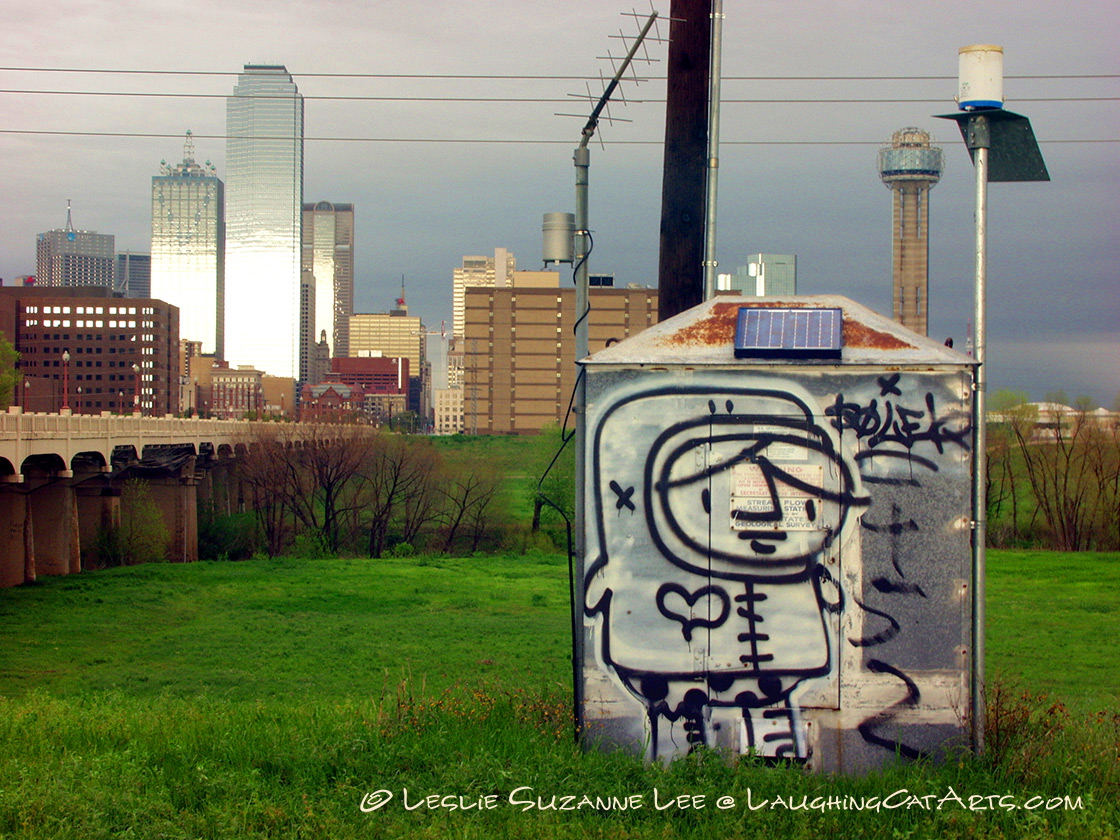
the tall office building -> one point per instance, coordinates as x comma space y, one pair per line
67, 257
764, 275
188, 247
492, 272
519, 360
264, 206
396, 334
909, 167
328, 254
133, 276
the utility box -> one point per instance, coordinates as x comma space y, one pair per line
776, 550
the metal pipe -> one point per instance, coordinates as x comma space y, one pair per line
582, 159
979, 142
710, 262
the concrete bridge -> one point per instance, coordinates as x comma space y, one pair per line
57, 485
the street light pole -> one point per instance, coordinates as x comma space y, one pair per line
65, 380
136, 409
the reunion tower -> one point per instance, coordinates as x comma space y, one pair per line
910, 166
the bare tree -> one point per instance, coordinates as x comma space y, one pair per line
469, 492
421, 503
318, 474
1011, 410
1059, 471
261, 466
394, 483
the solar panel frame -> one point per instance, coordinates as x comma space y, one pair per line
789, 333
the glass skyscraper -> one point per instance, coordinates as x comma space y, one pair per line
188, 248
264, 201
328, 253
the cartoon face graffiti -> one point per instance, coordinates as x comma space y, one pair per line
776, 479
716, 591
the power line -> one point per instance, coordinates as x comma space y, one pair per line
524, 77
476, 140
529, 100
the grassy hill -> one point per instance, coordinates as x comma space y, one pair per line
276, 698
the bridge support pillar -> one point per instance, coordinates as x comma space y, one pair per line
177, 499
99, 508
17, 538
52, 542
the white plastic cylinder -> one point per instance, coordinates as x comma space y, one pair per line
558, 232
980, 77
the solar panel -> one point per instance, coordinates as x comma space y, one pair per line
773, 333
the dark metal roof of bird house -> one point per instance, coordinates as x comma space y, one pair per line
706, 335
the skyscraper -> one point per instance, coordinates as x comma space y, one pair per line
188, 247
910, 167
478, 271
133, 275
764, 275
69, 257
328, 253
264, 204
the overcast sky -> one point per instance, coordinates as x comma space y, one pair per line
424, 201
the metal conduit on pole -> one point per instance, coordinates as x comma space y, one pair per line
979, 141
710, 262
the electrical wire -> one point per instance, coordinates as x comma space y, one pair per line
506, 100
476, 140
542, 77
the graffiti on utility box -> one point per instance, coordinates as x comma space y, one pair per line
745, 538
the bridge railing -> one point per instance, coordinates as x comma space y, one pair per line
17, 425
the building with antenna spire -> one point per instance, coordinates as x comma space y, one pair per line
397, 335
909, 166
67, 257
188, 247
328, 267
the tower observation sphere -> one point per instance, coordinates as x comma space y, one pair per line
909, 166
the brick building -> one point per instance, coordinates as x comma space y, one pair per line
93, 350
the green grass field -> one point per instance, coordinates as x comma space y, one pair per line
273, 698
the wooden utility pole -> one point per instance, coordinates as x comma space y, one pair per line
680, 278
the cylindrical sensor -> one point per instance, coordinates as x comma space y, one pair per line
559, 231
980, 77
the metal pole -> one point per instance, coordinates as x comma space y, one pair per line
710, 262
979, 142
582, 159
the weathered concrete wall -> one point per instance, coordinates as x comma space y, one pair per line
776, 561
16, 536
54, 516
177, 500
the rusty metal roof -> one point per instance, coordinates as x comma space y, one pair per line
704, 335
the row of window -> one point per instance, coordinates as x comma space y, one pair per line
87, 310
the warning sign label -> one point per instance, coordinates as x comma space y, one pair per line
757, 497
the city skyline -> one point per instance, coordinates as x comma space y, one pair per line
452, 146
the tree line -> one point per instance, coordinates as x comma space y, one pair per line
358, 490
1053, 481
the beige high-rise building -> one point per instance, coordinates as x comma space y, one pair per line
909, 167
519, 350
448, 409
396, 334
491, 272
